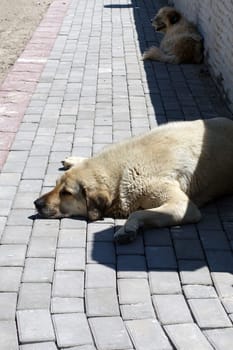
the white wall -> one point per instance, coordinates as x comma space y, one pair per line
214, 19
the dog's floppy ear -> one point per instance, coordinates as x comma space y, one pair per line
174, 16
97, 203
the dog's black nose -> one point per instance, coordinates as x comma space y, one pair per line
39, 203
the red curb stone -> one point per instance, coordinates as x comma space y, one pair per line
20, 83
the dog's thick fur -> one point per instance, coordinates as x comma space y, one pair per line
155, 180
181, 43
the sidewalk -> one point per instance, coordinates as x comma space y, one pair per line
64, 284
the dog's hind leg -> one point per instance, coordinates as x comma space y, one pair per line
178, 209
72, 161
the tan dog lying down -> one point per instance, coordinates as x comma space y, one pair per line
157, 179
181, 43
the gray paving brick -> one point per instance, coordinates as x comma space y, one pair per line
133, 291
134, 248
209, 313
71, 238
68, 284
10, 278
30, 186
101, 252
171, 309
220, 261
12, 254
148, 334
45, 228
7, 306
114, 327
193, 340
157, 237
2, 225
16, 235
82, 347
100, 276
188, 249
101, 302
39, 346
199, 292
72, 329
100, 232
70, 259
20, 217
164, 282
9, 179
8, 335
34, 296
160, 258
38, 270
223, 282
194, 272
221, 339
131, 266
34, 326
228, 304
184, 232
214, 239
73, 223
137, 311
66, 305
42, 247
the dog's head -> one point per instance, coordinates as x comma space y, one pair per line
77, 193
165, 19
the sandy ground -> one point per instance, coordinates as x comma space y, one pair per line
18, 20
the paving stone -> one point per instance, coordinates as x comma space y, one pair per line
137, 311
70, 259
39, 346
134, 248
38, 270
148, 334
82, 347
228, 304
171, 309
214, 239
115, 335
69, 238
221, 339
131, 266
194, 272
42, 247
160, 258
193, 340
223, 282
12, 255
209, 313
8, 335
73, 223
9, 179
7, 306
220, 261
157, 237
101, 302
34, 296
100, 276
101, 252
24, 200
199, 292
45, 228
10, 278
16, 235
72, 329
34, 326
184, 232
97, 232
164, 282
20, 217
68, 284
66, 305
188, 249
133, 291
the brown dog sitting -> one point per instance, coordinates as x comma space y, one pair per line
181, 43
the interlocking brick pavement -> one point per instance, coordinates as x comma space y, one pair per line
64, 284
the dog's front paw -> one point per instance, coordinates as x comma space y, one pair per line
153, 53
127, 233
71, 161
